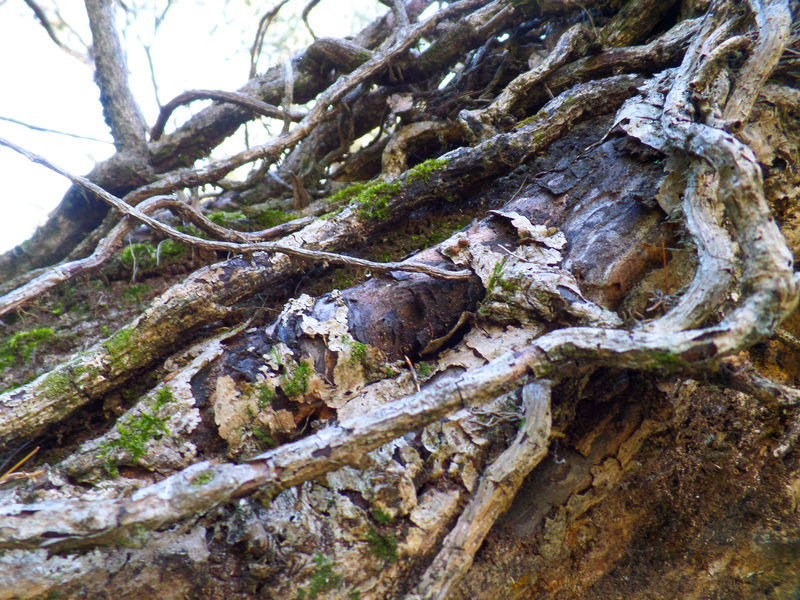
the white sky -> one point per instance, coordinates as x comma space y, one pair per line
202, 44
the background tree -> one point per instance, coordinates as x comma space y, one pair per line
497, 314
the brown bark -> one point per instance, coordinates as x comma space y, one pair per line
569, 404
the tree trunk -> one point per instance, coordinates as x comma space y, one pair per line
575, 381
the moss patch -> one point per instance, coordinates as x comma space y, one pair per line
19, 348
323, 579
136, 432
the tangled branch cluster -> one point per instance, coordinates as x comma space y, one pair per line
511, 98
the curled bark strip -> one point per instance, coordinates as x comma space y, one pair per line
493, 497
258, 107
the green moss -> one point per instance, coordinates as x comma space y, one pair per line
135, 293
669, 360
136, 432
170, 250
323, 579
424, 170
358, 354
424, 370
296, 383
118, 343
60, 382
263, 435
382, 546
495, 278
344, 196
381, 517
19, 347
142, 255
202, 479
268, 218
230, 220
373, 199
265, 396
373, 202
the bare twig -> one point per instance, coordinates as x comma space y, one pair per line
288, 94
46, 130
307, 11
258, 107
261, 30
196, 242
41, 16
7, 475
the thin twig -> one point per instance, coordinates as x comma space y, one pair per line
258, 107
261, 30
46, 130
7, 474
190, 240
288, 94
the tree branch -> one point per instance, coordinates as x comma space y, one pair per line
121, 112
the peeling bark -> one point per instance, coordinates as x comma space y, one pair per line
588, 391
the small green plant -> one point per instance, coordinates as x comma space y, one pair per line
226, 219
424, 370
264, 437
141, 255
423, 170
169, 250
495, 278
203, 478
296, 382
20, 346
381, 517
265, 396
373, 202
136, 432
382, 546
135, 293
268, 218
323, 579
358, 354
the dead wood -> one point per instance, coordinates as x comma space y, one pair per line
627, 256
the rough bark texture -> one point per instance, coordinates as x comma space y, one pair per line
589, 392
